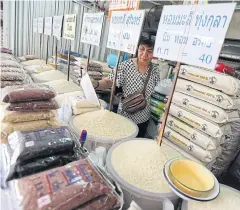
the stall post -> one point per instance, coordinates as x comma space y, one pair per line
57, 32
89, 54
69, 32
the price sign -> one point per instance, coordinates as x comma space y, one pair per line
48, 26
193, 34
124, 30
35, 25
92, 28
40, 25
57, 26
69, 27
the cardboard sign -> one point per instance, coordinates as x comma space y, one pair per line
69, 28
92, 28
40, 25
48, 26
124, 31
57, 26
193, 34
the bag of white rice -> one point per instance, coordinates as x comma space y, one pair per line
61, 97
191, 148
207, 94
228, 198
195, 136
33, 62
209, 111
63, 86
48, 76
8, 128
212, 129
38, 68
77, 111
222, 82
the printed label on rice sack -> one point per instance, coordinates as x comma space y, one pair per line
208, 94
212, 112
191, 148
200, 139
225, 83
212, 129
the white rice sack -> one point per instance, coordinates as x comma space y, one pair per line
212, 129
207, 94
228, 198
191, 148
63, 86
222, 82
33, 62
140, 163
8, 128
61, 97
77, 111
209, 111
104, 124
22, 58
195, 136
48, 76
38, 68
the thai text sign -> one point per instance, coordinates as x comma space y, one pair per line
193, 34
35, 25
92, 28
69, 26
48, 26
40, 25
57, 26
125, 29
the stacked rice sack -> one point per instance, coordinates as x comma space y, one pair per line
28, 107
12, 72
203, 115
158, 102
28, 58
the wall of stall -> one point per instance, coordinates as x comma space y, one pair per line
18, 28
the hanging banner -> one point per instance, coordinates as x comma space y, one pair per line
92, 28
125, 29
123, 5
40, 25
48, 26
69, 28
193, 34
57, 26
35, 25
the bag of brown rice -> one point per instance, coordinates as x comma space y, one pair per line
219, 81
210, 128
195, 136
191, 148
207, 94
9, 63
209, 111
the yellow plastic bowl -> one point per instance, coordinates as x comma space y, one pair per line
191, 177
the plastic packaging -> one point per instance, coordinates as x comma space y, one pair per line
207, 94
64, 188
27, 93
159, 97
16, 117
157, 111
164, 87
33, 106
11, 69
222, 82
48, 76
40, 164
29, 145
206, 110
10, 63
157, 104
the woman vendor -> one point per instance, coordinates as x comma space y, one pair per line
132, 76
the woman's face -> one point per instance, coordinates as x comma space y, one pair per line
145, 53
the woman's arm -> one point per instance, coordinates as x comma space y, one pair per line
102, 84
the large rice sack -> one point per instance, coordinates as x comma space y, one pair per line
222, 82
207, 94
209, 111
48, 76
210, 128
195, 136
191, 148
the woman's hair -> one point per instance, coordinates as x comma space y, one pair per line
148, 38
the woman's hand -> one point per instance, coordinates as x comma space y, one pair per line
102, 84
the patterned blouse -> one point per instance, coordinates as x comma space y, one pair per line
132, 81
